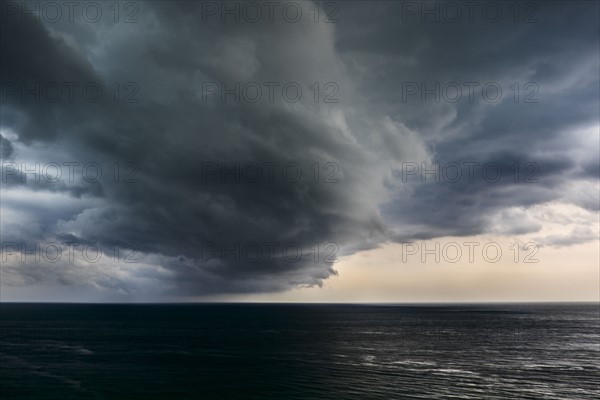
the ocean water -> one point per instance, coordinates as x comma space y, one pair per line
283, 352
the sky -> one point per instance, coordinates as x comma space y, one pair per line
347, 151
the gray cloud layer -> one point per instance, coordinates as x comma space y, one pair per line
370, 134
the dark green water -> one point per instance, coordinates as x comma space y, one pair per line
245, 351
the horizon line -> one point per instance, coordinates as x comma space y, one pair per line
425, 303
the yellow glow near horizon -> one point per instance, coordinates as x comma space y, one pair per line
568, 273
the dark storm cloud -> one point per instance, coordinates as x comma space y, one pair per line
30, 55
171, 134
6, 148
559, 54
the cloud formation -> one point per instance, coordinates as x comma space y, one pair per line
205, 149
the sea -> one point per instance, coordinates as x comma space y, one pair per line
299, 351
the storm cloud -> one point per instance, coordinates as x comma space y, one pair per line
214, 172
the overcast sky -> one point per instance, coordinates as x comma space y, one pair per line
300, 151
